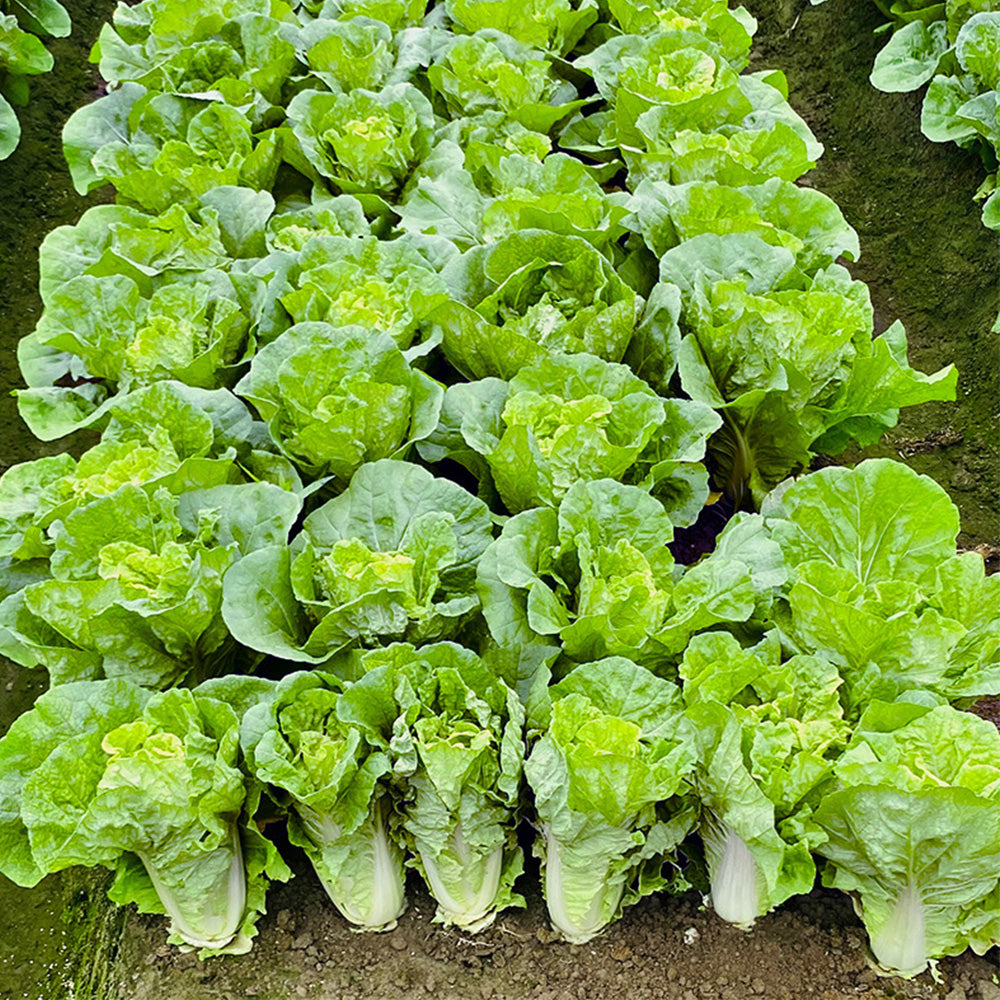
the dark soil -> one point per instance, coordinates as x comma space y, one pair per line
664, 949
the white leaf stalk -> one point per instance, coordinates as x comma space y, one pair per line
362, 871
735, 877
204, 894
581, 898
900, 946
463, 882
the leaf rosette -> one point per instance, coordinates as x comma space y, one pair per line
157, 795
610, 770
454, 731
335, 398
334, 785
393, 557
596, 578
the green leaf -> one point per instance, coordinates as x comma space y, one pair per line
910, 58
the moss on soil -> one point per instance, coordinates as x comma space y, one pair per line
928, 261
924, 252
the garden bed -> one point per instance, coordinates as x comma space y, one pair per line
927, 261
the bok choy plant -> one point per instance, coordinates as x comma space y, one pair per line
912, 831
335, 785
149, 785
393, 557
768, 732
875, 586
133, 587
610, 769
454, 732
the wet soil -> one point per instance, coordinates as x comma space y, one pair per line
928, 262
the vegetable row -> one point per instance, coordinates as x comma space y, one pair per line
426, 759
271, 154
793, 701
411, 341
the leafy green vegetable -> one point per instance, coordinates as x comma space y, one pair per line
454, 732
104, 338
167, 435
767, 731
161, 149
238, 51
152, 250
610, 771
530, 294
22, 54
392, 557
338, 799
876, 587
912, 831
596, 576
553, 25
565, 419
136, 583
366, 142
789, 361
105, 773
334, 398
470, 202
387, 286
802, 220
490, 71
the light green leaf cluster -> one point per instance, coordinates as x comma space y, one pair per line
389, 287
875, 586
596, 578
912, 830
337, 397
454, 732
133, 586
610, 770
787, 358
159, 149
564, 419
767, 732
489, 71
456, 195
393, 557
103, 332
337, 795
553, 25
234, 50
530, 294
149, 785
364, 141
167, 434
